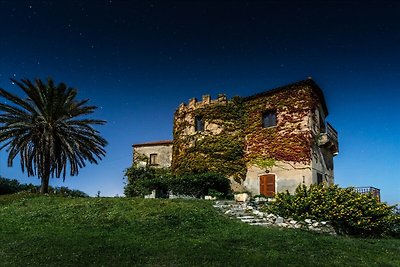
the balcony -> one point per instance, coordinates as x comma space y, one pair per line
329, 139
375, 192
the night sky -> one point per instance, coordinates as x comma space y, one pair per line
138, 60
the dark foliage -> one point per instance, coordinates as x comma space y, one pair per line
143, 180
200, 185
12, 186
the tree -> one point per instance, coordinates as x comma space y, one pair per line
50, 130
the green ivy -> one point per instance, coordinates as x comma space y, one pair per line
242, 139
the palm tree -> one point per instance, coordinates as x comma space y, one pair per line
44, 129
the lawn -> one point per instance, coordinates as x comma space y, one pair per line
56, 231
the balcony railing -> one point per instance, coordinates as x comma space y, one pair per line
375, 192
329, 139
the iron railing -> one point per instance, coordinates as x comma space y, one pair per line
375, 192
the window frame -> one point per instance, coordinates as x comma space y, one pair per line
272, 121
320, 178
155, 157
199, 121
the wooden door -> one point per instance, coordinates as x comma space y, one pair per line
267, 185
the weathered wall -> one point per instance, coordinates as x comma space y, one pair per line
287, 177
322, 157
164, 154
291, 139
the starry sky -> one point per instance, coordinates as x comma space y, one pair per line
138, 60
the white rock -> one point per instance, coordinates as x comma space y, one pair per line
257, 212
279, 220
308, 221
316, 224
293, 222
228, 211
323, 223
243, 197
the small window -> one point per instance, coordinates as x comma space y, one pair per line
319, 178
153, 159
269, 119
199, 124
321, 124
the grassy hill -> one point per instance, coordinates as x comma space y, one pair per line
56, 231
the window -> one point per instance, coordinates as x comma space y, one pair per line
199, 124
319, 178
321, 124
269, 118
153, 159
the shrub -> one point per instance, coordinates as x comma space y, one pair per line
143, 180
202, 184
11, 186
348, 211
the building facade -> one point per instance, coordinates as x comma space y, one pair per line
265, 143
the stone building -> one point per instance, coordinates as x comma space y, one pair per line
157, 154
265, 143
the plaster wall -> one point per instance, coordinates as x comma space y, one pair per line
287, 177
322, 158
164, 154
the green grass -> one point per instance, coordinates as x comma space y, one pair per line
56, 231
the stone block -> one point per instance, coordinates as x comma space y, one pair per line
243, 197
279, 220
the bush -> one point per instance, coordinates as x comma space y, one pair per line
348, 211
143, 180
11, 186
200, 185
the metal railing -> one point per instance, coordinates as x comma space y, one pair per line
375, 192
332, 133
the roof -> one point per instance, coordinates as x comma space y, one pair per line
293, 86
157, 143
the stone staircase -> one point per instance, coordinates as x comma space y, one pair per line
243, 212
248, 212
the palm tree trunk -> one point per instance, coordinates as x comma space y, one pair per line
44, 188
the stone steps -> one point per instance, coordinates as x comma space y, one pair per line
250, 215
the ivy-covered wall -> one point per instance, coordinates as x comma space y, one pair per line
234, 137
219, 148
291, 139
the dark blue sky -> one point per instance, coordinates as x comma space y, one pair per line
138, 60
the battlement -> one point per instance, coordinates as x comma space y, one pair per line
206, 100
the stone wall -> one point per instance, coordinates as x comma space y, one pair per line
163, 152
